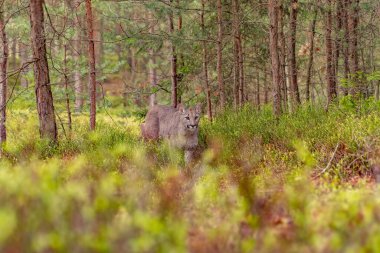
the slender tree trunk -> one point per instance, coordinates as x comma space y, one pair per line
152, 70
346, 43
282, 57
78, 84
180, 58
266, 86
66, 80
220, 56
98, 24
174, 77
273, 37
205, 64
91, 64
338, 37
365, 87
236, 27
100, 47
241, 70
3, 78
23, 58
353, 21
14, 53
373, 64
258, 89
239, 61
295, 96
311, 54
44, 97
330, 74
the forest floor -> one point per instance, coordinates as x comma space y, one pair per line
300, 183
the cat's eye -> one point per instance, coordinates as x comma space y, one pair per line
196, 117
187, 117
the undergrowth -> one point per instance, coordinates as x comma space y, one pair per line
258, 185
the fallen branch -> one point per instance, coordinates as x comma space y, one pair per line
328, 166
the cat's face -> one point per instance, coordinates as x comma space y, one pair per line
190, 117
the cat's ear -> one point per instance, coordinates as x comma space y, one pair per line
181, 108
198, 108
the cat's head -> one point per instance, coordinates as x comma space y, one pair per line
189, 117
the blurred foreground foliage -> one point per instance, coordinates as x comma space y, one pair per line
258, 184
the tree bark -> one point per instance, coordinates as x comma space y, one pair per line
311, 54
266, 87
13, 57
241, 68
78, 84
238, 55
220, 56
338, 37
346, 43
23, 49
3, 78
236, 35
152, 70
295, 96
66, 80
44, 97
258, 89
91, 63
173, 60
273, 38
282, 57
353, 21
330, 73
205, 64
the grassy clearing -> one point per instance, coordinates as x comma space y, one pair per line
256, 187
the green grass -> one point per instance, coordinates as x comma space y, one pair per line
252, 190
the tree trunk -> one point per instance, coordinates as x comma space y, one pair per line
91, 63
311, 54
13, 53
152, 70
3, 79
174, 78
23, 59
258, 89
295, 96
241, 68
180, 59
338, 37
353, 21
266, 88
236, 31
273, 37
205, 64
66, 80
330, 74
282, 58
44, 97
78, 84
220, 56
346, 43
238, 55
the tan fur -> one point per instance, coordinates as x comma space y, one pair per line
177, 125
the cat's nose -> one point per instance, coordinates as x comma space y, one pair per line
192, 126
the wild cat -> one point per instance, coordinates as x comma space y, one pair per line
177, 125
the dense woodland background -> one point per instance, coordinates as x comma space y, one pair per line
220, 53
289, 141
